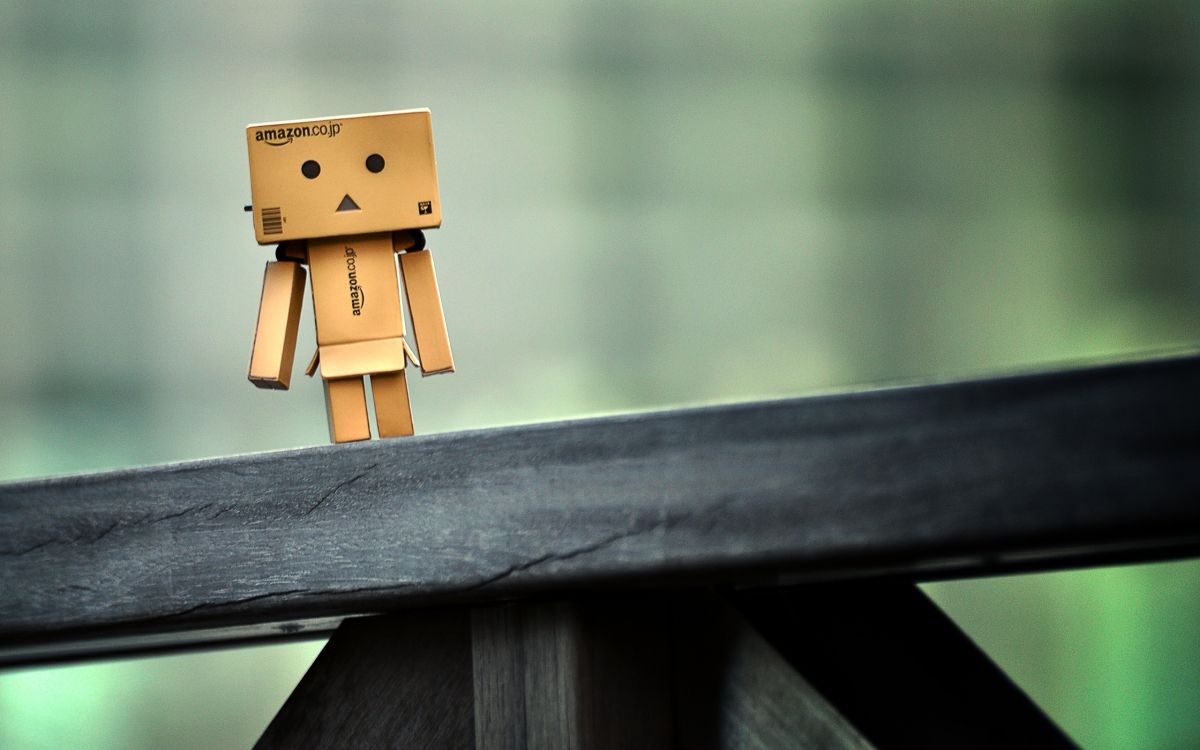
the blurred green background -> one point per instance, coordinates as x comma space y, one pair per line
646, 204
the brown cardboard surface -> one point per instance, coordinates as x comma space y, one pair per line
393, 415
288, 205
346, 408
362, 358
274, 348
425, 307
355, 287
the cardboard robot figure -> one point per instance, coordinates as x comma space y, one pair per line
345, 196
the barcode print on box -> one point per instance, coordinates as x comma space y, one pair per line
272, 221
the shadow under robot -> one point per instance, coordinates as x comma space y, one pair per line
345, 196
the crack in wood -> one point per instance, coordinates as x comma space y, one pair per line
666, 522
325, 498
27, 550
360, 590
230, 603
146, 520
286, 592
180, 514
222, 512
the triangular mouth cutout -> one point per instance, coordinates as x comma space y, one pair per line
347, 204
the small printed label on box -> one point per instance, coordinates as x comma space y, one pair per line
272, 221
425, 207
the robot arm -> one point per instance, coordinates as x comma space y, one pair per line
424, 303
278, 322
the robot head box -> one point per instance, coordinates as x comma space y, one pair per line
343, 175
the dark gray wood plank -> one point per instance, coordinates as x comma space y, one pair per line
550, 672
583, 675
397, 682
894, 665
952, 479
498, 656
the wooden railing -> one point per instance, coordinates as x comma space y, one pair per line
686, 511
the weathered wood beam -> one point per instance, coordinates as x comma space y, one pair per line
572, 674
969, 478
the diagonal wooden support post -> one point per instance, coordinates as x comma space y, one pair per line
734, 690
897, 667
399, 681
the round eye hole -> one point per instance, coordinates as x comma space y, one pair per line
375, 163
310, 169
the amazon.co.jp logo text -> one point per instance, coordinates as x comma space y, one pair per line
358, 297
283, 135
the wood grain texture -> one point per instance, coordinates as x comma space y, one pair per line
951, 479
585, 675
498, 656
383, 682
